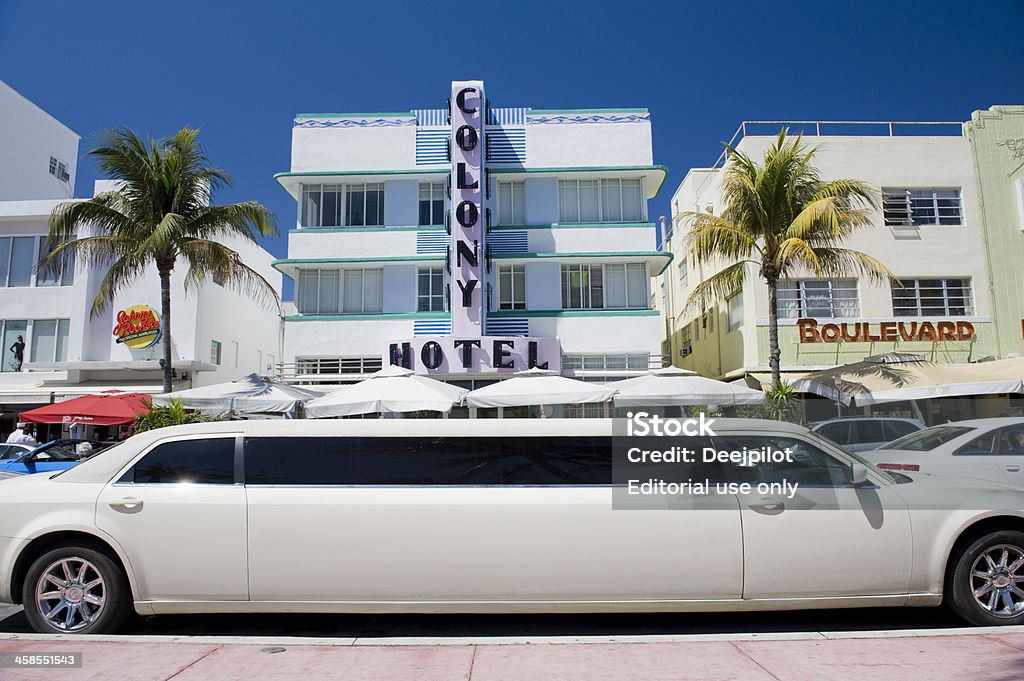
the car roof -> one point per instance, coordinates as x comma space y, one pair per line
994, 422
841, 419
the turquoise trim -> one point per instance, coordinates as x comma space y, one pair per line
590, 111
391, 114
555, 225
384, 258
326, 173
573, 313
358, 230
364, 317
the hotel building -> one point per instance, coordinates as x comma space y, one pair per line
470, 241
930, 231
65, 351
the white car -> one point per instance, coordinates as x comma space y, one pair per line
988, 449
490, 516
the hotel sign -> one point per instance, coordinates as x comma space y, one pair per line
889, 331
467, 349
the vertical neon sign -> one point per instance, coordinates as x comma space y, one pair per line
468, 108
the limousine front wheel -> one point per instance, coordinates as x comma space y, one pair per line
75, 590
988, 581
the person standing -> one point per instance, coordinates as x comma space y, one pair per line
22, 435
18, 348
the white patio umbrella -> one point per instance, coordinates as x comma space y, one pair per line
672, 386
250, 394
538, 387
895, 377
392, 389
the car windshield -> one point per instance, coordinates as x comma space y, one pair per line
928, 439
57, 452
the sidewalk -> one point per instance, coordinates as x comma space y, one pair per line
988, 655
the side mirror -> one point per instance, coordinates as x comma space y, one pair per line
859, 474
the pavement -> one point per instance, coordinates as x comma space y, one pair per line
980, 656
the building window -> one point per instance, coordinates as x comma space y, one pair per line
734, 311
613, 286
818, 298
340, 291
215, 352
59, 169
17, 257
609, 200
684, 273
932, 298
431, 203
598, 362
348, 205
60, 275
512, 287
50, 340
685, 341
307, 366
430, 289
511, 203
911, 207
13, 350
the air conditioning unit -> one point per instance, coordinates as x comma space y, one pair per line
64, 176
686, 351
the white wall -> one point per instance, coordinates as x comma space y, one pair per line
588, 144
372, 148
28, 137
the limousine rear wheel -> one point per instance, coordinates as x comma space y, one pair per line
988, 581
75, 590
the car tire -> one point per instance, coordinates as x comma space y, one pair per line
83, 592
984, 575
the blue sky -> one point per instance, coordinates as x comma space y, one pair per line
240, 70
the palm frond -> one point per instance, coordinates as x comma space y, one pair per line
839, 262
210, 259
719, 286
122, 273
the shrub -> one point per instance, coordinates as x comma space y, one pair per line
173, 414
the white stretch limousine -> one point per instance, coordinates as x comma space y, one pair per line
487, 516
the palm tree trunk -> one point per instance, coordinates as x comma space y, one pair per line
774, 352
165, 313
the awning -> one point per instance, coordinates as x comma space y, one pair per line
107, 409
392, 389
538, 387
250, 394
672, 386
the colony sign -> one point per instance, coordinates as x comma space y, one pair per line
888, 332
137, 327
468, 349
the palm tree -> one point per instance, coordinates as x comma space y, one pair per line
783, 218
160, 214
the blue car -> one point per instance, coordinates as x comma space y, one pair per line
52, 456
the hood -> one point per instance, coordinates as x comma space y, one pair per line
930, 491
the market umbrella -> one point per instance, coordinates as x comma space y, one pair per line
105, 409
672, 386
392, 389
250, 394
538, 387
895, 377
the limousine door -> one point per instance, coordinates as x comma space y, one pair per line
824, 537
439, 521
179, 516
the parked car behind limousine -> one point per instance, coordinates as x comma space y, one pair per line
988, 449
49, 457
484, 516
861, 433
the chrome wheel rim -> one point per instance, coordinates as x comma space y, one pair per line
70, 594
997, 581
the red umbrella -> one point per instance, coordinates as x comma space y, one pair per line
106, 409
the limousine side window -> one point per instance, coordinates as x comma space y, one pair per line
808, 465
465, 461
201, 461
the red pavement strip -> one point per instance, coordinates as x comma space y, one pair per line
977, 657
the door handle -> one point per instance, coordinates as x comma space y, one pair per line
127, 505
772, 506
1013, 469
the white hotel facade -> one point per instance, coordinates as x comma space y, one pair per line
472, 243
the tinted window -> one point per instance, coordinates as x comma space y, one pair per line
11, 452
869, 431
1011, 441
557, 461
807, 466
980, 446
928, 439
427, 461
837, 432
209, 461
895, 429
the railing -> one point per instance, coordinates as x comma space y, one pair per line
833, 128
